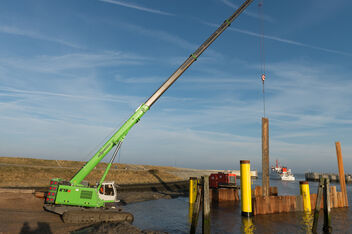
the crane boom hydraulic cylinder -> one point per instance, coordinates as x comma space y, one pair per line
122, 132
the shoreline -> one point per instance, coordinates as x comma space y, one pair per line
21, 210
127, 194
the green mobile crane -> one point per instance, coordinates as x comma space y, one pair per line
63, 196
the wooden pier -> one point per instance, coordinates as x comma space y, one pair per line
281, 204
276, 204
314, 176
224, 194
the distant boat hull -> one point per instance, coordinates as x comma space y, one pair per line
281, 173
282, 176
288, 178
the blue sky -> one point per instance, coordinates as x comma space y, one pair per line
72, 71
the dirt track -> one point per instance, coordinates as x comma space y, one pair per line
23, 213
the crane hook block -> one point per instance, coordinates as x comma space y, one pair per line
263, 77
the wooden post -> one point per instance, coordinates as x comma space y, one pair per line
206, 205
299, 203
273, 191
196, 209
341, 172
327, 218
317, 205
265, 156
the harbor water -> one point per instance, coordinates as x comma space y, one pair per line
172, 215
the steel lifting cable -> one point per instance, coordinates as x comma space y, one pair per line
262, 50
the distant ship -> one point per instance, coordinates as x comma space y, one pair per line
281, 173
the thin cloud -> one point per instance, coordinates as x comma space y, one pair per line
169, 38
136, 7
158, 34
296, 100
249, 13
283, 40
291, 42
20, 92
34, 35
199, 80
139, 80
53, 64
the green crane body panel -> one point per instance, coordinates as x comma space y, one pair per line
78, 196
73, 195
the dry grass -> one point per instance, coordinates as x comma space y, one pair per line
16, 172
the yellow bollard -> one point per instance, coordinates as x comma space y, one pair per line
246, 194
304, 188
193, 182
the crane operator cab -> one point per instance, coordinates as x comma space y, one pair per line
108, 192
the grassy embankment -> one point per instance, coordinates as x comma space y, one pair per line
27, 172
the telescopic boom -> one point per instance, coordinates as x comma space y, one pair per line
193, 57
120, 134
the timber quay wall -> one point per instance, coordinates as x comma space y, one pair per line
282, 204
314, 176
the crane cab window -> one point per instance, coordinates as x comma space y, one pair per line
106, 189
109, 190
